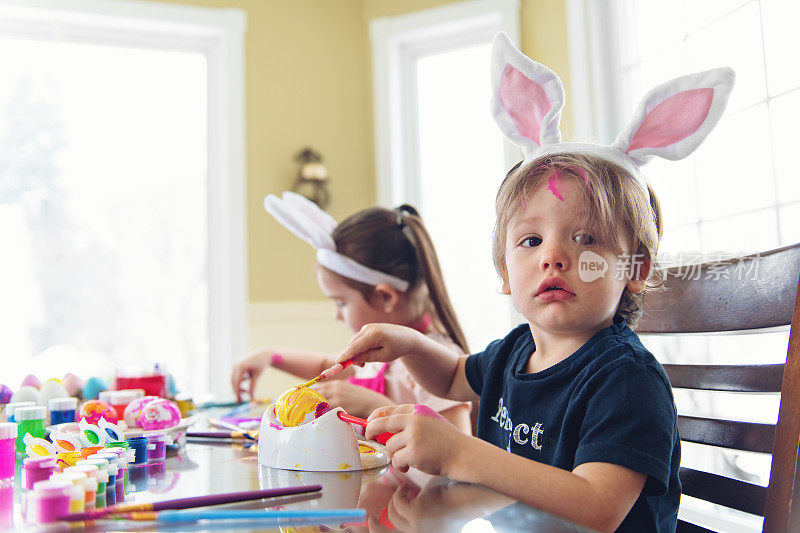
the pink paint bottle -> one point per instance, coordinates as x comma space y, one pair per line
8, 440
35, 469
51, 500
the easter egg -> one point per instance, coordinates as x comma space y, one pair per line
159, 414
31, 381
5, 393
134, 409
93, 387
51, 389
26, 393
298, 405
94, 410
72, 384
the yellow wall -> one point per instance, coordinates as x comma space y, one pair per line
309, 83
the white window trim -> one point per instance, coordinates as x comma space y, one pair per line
396, 44
219, 35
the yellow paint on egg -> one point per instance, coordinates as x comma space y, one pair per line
294, 404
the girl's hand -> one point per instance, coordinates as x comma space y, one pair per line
249, 369
354, 399
423, 438
381, 342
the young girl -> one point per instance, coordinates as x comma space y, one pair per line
378, 265
585, 410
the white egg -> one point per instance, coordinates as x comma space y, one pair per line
50, 389
26, 393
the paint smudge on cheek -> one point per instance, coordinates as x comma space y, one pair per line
553, 184
424, 410
276, 359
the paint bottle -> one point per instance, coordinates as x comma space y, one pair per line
119, 399
30, 420
90, 450
35, 469
140, 447
158, 446
77, 493
102, 482
11, 407
93, 473
51, 500
62, 410
8, 438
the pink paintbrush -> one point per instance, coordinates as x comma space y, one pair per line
332, 371
382, 438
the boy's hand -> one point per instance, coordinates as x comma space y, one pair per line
354, 399
423, 438
380, 342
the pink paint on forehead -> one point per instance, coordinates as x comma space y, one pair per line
424, 410
553, 183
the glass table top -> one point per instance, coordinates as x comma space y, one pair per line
393, 501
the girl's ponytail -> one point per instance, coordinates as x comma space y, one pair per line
410, 220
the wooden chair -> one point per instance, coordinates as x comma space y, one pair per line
710, 303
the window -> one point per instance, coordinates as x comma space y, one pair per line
737, 194
116, 134
438, 149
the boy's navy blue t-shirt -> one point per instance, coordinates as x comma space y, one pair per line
609, 402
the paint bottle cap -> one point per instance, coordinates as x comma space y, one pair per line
43, 461
8, 430
90, 470
62, 404
11, 407
30, 413
50, 489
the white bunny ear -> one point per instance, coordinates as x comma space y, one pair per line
527, 97
301, 220
674, 118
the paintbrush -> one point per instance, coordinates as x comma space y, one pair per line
189, 503
332, 371
271, 517
382, 438
236, 435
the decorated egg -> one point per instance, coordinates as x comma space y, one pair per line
50, 389
93, 387
159, 414
134, 409
72, 384
94, 410
298, 405
26, 393
5, 393
31, 381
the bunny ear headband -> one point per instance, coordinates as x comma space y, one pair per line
306, 220
670, 122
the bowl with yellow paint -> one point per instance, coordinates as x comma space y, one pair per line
323, 444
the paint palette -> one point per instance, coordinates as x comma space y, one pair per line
324, 444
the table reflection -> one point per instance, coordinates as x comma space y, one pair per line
394, 501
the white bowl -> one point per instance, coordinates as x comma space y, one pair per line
326, 444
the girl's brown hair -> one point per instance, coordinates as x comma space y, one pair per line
395, 241
615, 207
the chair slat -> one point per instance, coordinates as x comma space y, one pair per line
735, 378
747, 436
688, 527
743, 300
725, 491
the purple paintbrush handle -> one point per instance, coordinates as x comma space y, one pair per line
196, 501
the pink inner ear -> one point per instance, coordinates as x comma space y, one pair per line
525, 101
674, 119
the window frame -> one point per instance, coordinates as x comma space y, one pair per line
218, 34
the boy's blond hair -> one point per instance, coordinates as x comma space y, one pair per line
616, 207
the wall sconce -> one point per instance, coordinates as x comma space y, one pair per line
312, 178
